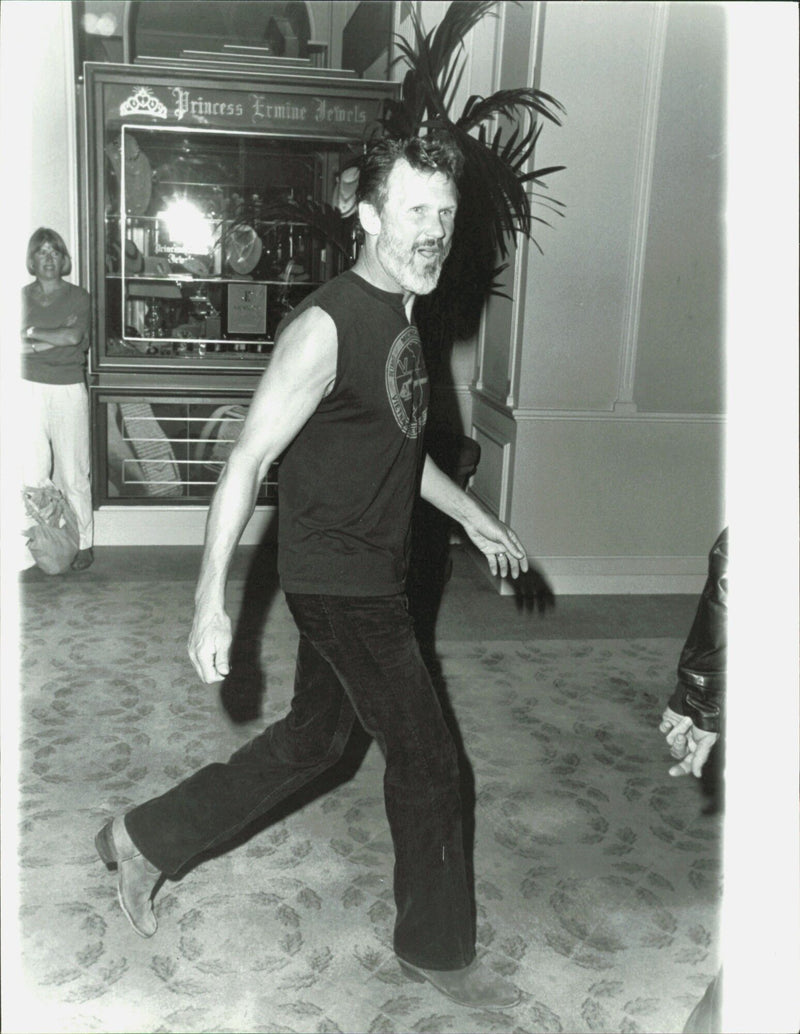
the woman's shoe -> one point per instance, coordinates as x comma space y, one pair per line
83, 558
474, 986
137, 877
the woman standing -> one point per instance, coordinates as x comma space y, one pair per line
55, 339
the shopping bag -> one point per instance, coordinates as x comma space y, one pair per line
53, 538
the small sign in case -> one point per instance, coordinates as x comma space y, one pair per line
247, 309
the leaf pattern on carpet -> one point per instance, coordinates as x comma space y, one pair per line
598, 880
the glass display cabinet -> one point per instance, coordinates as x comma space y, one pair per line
210, 248
167, 448
207, 218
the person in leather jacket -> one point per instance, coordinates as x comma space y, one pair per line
693, 722
692, 719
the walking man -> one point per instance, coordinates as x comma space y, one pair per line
344, 403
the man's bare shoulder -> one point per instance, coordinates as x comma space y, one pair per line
307, 349
311, 329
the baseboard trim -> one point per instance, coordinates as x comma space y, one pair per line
567, 576
170, 526
611, 576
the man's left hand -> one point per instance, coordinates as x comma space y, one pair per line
498, 543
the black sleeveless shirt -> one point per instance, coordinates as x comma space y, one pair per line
348, 481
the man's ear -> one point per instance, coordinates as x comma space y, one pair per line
369, 218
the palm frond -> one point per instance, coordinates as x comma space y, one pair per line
507, 103
495, 181
499, 165
429, 85
495, 287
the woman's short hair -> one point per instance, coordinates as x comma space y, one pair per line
435, 153
44, 235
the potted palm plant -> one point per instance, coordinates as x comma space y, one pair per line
501, 194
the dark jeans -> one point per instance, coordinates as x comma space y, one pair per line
357, 660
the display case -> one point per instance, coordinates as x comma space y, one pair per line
213, 245
207, 218
208, 208
163, 446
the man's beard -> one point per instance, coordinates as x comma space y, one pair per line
414, 272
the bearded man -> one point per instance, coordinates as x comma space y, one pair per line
344, 403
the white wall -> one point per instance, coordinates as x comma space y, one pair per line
38, 172
679, 360
595, 62
39, 157
602, 433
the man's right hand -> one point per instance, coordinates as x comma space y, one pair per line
209, 645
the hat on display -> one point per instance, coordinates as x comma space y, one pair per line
197, 266
136, 171
134, 261
156, 266
344, 193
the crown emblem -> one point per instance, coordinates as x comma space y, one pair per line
142, 102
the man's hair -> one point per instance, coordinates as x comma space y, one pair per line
426, 154
46, 236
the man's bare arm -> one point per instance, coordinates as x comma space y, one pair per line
301, 372
504, 552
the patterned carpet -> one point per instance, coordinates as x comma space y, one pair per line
598, 878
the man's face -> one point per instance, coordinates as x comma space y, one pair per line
416, 227
47, 262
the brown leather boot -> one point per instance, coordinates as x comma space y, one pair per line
137, 877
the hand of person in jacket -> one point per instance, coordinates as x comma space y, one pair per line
690, 745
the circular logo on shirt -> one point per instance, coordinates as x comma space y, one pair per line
406, 382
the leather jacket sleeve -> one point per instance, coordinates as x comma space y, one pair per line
700, 691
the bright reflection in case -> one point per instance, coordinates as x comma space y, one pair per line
187, 226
